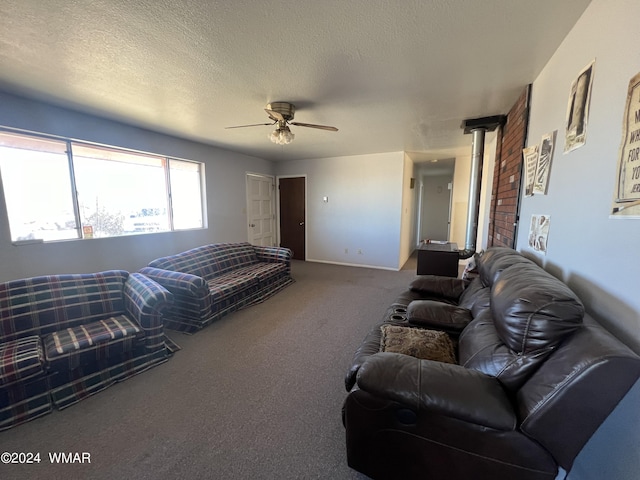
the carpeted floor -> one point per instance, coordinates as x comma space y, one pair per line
256, 395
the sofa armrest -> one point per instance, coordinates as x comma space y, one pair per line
438, 316
437, 286
273, 254
369, 346
441, 388
146, 300
178, 282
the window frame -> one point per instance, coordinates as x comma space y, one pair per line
165, 161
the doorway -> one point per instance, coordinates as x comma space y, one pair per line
436, 207
434, 199
261, 210
292, 201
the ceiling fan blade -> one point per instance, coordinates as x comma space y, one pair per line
275, 116
252, 125
311, 125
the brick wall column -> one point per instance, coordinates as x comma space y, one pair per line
505, 193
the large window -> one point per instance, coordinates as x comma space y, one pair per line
57, 190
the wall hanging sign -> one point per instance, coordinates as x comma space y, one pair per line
578, 109
543, 166
530, 155
539, 232
627, 201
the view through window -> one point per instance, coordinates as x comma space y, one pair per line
59, 190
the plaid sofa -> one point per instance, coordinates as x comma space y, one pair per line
65, 337
210, 281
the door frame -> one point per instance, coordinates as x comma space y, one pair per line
274, 223
278, 237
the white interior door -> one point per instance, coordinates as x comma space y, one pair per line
261, 210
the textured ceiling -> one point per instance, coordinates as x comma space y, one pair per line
391, 75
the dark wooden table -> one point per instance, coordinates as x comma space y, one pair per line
438, 259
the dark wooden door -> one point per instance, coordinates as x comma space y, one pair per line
292, 215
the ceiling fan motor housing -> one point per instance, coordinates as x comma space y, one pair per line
287, 110
281, 114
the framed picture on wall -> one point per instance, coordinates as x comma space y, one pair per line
627, 196
578, 109
530, 155
539, 232
543, 166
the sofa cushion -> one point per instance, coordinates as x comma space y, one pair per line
476, 297
438, 315
20, 359
480, 348
231, 256
494, 260
262, 271
417, 342
229, 284
66, 342
533, 310
531, 313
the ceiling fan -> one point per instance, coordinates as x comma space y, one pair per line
282, 113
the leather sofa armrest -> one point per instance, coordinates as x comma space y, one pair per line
438, 316
439, 286
441, 388
369, 346
178, 282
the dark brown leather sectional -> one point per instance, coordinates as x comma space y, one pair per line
535, 377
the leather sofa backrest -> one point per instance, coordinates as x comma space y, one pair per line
532, 310
480, 348
530, 313
575, 389
476, 297
494, 260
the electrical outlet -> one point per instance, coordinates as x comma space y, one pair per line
359, 252
346, 250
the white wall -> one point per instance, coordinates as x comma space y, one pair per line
597, 256
363, 212
594, 253
225, 186
460, 198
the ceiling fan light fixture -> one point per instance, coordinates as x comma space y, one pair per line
281, 115
281, 136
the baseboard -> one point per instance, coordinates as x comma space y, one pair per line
377, 267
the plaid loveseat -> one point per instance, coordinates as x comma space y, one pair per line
65, 337
210, 281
